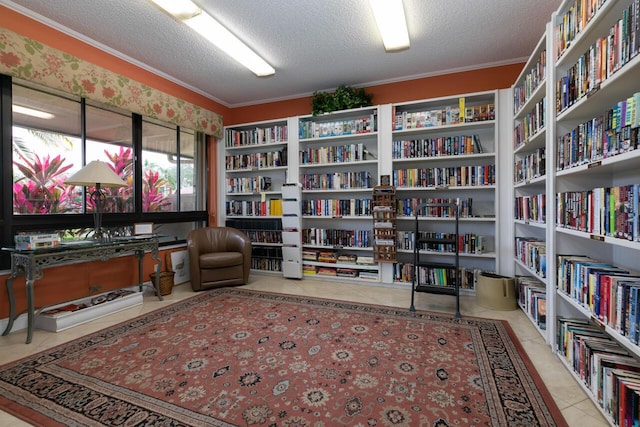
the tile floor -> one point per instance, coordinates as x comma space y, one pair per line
577, 408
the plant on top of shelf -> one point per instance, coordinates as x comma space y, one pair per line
344, 98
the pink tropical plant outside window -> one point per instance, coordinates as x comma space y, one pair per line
41, 188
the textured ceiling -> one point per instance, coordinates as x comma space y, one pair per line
314, 45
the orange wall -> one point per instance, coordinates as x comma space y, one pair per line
21, 24
409, 90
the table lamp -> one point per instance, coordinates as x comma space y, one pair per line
96, 174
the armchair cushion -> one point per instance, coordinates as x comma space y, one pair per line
218, 256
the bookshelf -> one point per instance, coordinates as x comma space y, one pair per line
338, 167
444, 151
595, 166
533, 192
255, 167
384, 223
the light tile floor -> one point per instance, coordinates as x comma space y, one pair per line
576, 406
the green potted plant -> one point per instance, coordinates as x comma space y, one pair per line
344, 98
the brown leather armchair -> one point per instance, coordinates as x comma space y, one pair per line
218, 256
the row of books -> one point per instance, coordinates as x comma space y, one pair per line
604, 211
403, 273
334, 154
337, 207
449, 115
266, 264
612, 133
256, 136
407, 206
468, 243
536, 75
531, 208
337, 181
312, 129
336, 238
271, 207
436, 147
573, 21
248, 184
532, 252
603, 289
270, 159
532, 123
532, 299
530, 166
259, 230
607, 370
603, 58
436, 276
459, 176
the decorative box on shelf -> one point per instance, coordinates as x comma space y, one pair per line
69, 314
29, 241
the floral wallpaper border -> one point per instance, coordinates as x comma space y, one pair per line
33, 61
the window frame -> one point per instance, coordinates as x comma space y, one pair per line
12, 223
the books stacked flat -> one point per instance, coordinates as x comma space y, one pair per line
369, 275
309, 255
309, 269
365, 260
327, 271
346, 272
347, 259
327, 256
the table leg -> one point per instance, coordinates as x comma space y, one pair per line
156, 285
12, 304
30, 308
140, 255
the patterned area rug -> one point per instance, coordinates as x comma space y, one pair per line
234, 357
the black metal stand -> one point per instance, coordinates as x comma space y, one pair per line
429, 286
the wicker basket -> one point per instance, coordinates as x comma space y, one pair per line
165, 284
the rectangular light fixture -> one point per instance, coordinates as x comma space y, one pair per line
392, 24
204, 24
31, 112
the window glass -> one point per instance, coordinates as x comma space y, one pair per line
188, 170
109, 139
46, 149
159, 167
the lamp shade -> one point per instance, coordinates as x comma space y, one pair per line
96, 172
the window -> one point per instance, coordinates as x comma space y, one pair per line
51, 142
159, 168
110, 139
46, 146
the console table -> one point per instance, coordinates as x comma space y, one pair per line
32, 262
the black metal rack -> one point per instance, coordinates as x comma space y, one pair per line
419, 260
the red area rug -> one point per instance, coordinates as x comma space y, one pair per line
233, 357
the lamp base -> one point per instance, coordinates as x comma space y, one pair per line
98, 235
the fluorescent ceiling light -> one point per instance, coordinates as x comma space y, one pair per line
392, 23
31, 112
212, 30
